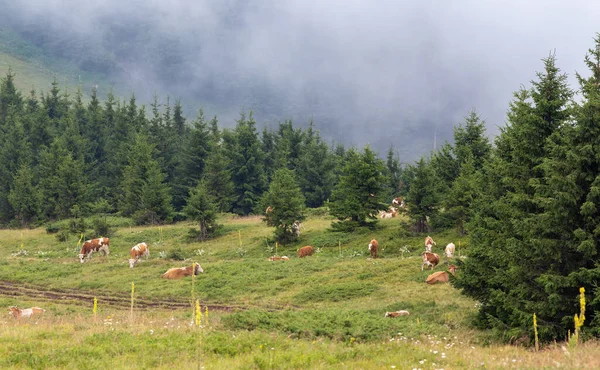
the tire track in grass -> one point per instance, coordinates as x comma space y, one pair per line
116, 299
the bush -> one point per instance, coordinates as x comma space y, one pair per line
63, 236
320, 211
52, 228
145, 217
101, 227
78, 226
176, 254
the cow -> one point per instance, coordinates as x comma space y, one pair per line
277, 258
306, 251
429, 243
450, 250
399, 201
268, 210
397, 313
373, 247
93, 245
441, 276
390, 214
296, 228
179, 272
138, 251
19, 313
430, 259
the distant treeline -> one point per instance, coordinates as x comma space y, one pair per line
61, 158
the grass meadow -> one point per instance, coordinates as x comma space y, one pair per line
320, 312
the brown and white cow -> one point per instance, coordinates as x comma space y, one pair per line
399, 202
430, 259
392, 213
268, 210
449, 251
397, 313
138, 251
278, 258
429, 243
25, 313
441, 276
306, 251
373, 248
93, 245
180, 272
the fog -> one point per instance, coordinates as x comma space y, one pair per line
379, 73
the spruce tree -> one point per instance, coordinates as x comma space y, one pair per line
24, 197
360, 193
287, 202
201, 207
510, 258
423, 196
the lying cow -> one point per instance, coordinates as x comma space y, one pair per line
429, 243
19, 313
138, 251
397, 313
179, 272
449, 251
306, 251
430, 259
93, 245
373, 247
441, 276
277, 258
399, 202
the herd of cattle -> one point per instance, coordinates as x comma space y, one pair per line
142, 250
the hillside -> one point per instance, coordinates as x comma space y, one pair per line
319, 312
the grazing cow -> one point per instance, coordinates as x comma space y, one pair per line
306, 251
429, 243
390, 214
138, 251
430, 259
449, 250
296, 228
373, 247
93, 245
441, 276
19, 313
277, 258
399, 202
179, 272
397, 313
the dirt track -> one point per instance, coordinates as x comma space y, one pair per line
120, 300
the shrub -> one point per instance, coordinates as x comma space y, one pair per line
63, 236
101, 227
145, 217
176, 254
52, 228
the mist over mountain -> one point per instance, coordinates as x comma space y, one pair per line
390, 72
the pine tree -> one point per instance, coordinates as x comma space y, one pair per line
287, 202
24, 197
201, 208
360, 193
423, 196
315, 170
217, 173
509, 269
246, 161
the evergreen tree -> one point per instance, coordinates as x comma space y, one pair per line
514, 269
145, 193
10, 98
315, 170
201, 208
360, 194
23, 197
423, 196
217, 173
393, 173
246, 161
287, 202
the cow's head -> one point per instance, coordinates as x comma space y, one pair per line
81, 257
197, 268
452, 269
132, 262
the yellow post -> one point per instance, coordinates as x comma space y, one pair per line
95, 306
